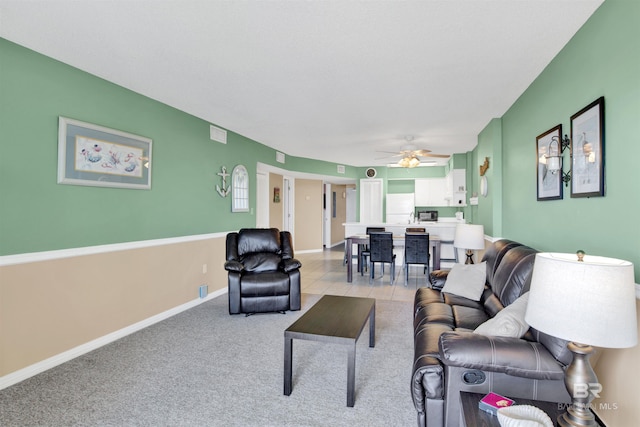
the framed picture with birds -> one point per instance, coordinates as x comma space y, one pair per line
97, 156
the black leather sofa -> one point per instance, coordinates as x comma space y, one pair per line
450, 358
263, 274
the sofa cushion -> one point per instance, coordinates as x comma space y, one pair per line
427, 337
467, 317
513, 275
436, 313
466, 280
509, 322
260, 262
265, 284
426, 296
494, 253
556, 346
452, 299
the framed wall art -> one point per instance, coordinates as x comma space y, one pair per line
240, 184
587, 150
97, 156
549, 164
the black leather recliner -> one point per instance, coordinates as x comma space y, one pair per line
263, 274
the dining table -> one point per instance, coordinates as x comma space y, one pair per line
398, 241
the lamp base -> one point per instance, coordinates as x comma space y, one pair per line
469, 254
579, 380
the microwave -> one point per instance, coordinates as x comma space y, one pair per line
428, 216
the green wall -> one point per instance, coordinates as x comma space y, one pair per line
489, 208
37, 214
602, 59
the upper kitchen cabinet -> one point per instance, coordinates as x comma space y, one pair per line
431, 192
456, 187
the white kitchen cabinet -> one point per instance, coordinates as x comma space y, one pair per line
431, 192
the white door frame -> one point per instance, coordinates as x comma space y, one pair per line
288, 220
262, 200
328, 209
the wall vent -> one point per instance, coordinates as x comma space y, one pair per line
341, 168
279, 157
217, 134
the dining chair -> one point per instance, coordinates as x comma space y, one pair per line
381, 250
416, 251
364, 253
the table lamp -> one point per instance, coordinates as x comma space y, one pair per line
588, 301
469, 237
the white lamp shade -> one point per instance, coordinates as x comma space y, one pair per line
591, 302
469, 236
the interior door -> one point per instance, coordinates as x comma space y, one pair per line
371, 201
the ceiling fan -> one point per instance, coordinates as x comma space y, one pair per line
410, 154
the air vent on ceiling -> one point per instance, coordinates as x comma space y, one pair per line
371, 172
217, 134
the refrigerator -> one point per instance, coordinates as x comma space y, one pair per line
400, 208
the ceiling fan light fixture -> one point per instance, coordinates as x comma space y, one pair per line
409, 162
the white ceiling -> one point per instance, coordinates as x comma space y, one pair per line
330, 80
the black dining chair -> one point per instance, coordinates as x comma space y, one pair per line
381, 250
416, 251
364, 253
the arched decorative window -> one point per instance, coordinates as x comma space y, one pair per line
240, 188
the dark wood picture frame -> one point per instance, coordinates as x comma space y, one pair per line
587, 151
549, 183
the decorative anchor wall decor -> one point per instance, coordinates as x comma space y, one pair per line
225, 190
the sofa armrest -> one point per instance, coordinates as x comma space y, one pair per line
512, 356
290, 264
427, 381
235, 266
438, 278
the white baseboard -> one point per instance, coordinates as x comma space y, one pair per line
36, 368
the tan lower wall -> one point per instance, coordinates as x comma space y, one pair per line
49, 307
617, 372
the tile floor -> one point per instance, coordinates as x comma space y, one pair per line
324, 273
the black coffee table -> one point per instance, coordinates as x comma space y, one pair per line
335, 319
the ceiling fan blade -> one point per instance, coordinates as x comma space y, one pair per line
440, 156
421, 152
390, 157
